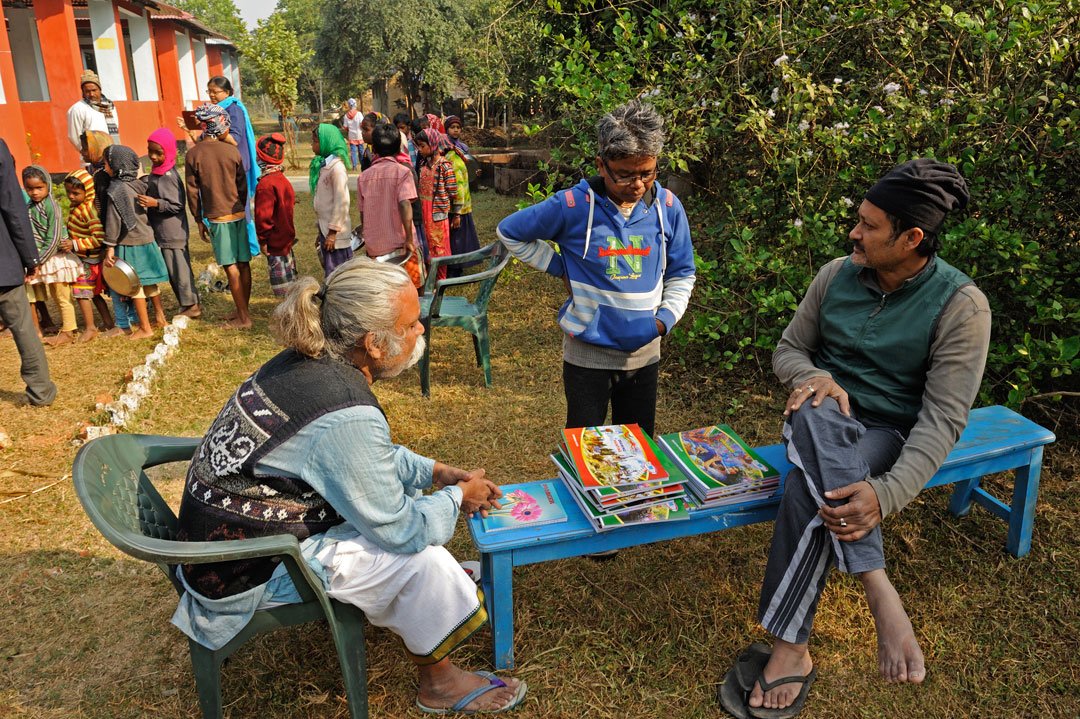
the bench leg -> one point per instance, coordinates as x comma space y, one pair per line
960, 503
1022, 516
497, 581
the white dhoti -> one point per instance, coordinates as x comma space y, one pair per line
424, 598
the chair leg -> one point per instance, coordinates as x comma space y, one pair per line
482, 344
206, 666
425, 362
349, 638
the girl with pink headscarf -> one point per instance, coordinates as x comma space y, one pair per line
166, 209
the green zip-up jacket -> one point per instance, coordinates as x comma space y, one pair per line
912, 358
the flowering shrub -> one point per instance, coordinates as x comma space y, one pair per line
782, 121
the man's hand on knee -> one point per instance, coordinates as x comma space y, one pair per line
817, 389
852, 520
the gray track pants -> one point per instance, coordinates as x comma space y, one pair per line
829, 451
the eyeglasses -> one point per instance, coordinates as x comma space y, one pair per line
628, 180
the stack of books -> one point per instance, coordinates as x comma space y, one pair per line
719, 466
618, 477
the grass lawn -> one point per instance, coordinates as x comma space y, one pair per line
84, 630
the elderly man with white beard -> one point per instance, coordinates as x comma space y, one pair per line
303, 448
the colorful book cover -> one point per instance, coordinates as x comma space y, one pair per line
522, 508
665, 511
610, 496
718, 458
613, 456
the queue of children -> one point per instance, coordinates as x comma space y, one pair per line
413, 200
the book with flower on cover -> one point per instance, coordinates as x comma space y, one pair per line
618, 456
521, 508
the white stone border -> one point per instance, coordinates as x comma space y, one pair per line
122, 410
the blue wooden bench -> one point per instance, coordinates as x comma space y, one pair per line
996, 440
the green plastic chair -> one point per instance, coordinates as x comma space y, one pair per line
123, 504
437, 309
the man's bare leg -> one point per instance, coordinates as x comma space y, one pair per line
442, 685
787, 660
236, 288
899, 656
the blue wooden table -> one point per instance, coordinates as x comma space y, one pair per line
996, 440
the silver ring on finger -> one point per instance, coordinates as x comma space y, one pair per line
809, 388
843, 522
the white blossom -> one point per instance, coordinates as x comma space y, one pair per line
890, 88
847, 202
780, 60
945, 102
923, 91
841, 126
775, 95
797, 223
837, 81
803, 125
771, 113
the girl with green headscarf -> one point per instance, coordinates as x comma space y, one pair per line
329, 183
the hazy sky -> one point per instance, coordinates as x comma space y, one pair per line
254, 10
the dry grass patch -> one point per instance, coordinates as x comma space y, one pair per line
84, 630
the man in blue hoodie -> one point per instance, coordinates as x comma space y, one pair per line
628, 264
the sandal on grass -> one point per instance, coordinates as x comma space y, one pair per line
795, 707
493, 683
735, 690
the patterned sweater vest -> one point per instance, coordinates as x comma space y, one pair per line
224, 497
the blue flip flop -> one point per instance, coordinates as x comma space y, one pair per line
493, 683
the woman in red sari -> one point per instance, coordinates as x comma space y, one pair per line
437, 191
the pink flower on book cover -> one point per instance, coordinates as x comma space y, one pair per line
526, 511
520, 496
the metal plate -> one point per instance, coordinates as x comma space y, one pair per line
121, 278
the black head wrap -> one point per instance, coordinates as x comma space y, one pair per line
920, 193
125, 166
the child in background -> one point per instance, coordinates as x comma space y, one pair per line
129, 237
93, 152
86, 235
438, 193
351, 122
217, 195
58, 268
274, 201
463, 237
166, 207
385, 192
329, 183
415, 127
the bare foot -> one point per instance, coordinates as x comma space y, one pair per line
237, 324
453, 684
115, 332
140, 334
231, 316
194, 312
787, 660
899, 656
61, 338
88, 335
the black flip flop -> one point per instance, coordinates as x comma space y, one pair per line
795, 707
735, 690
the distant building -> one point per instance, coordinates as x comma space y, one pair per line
153, 60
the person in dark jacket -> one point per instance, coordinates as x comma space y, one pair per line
19, 261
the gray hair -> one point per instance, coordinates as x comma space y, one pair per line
631, 130
358, 298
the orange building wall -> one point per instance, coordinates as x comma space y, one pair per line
213, 61
12, 129
47, 121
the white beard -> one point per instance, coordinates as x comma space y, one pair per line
411, 360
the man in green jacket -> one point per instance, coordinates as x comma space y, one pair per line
883, 357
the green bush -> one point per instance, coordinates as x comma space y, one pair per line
783, 120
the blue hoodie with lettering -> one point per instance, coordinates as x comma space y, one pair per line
624, 274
